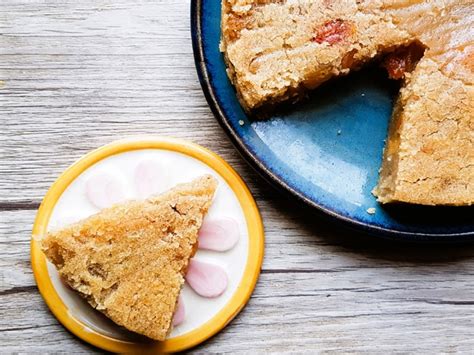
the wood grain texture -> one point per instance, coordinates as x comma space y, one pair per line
78, 74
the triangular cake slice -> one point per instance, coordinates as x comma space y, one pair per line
129, 260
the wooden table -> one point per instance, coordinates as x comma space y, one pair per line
78, 74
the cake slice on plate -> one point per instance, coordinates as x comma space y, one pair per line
129, 260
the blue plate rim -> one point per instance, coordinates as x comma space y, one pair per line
269, 176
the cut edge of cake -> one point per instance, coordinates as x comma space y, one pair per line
436, 168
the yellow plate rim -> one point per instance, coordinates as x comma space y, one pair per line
196, 336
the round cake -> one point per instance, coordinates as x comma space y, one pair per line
276, 50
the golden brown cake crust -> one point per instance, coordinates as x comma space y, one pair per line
275, 50
129, 260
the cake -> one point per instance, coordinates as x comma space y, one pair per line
129, 261
276, 50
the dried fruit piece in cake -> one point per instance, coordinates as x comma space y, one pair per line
403, 60
129, 261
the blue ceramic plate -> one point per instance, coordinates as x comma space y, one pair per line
325, 151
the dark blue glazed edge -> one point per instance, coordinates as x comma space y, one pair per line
275, 181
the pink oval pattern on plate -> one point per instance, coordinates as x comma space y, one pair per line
207, 280
219, 234
103, 190
180, 312
150, 178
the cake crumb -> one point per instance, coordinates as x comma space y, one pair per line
339, 132
371, 210
241, 122
362, 94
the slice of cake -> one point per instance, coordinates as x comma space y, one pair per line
276, 50
129, 261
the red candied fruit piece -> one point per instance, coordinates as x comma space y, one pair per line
403, 60
396, 66
333, 31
